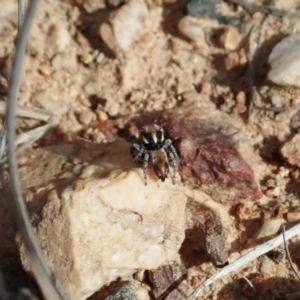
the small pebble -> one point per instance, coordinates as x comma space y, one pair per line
235, 64
265, 265
230, 38
112, 108
295, 121
45, 71
101, 115
82, 40
59, 38
64, 61
124, 24
90, 88
86, 117
22, 160
291, 151
46, 100
258, 15
77, 169
208, 8
293, 216
241, 102
193, 30
285, 62
284, 5
276, 99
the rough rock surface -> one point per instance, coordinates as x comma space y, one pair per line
96, 220
130, 16
206, 226
285, 62
291, 151
131, 290
169, 282
208, 151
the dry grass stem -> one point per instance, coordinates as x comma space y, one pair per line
288, 253
245, 259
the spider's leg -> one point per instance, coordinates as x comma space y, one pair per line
145, 165
167, 144
174, 163
173, 150
169, 148
140, 151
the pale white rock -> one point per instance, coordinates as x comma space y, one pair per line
101, 115
64, 60
101, 222
284, 5
269, 229
105, 223
59, 37
293, 216
266, 265
86, 117
285, 62
46, 100
290, 151
124, 25
112, 107
230, 38
276, 99
194, 30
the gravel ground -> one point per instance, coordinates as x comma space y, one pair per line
98, 64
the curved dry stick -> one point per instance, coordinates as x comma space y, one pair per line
288, 253
46, 280
245, 259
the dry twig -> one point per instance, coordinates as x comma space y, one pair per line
43, 275
28, 138
248, 281
288, 253
245, 259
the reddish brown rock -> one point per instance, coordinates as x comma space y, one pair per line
169, 282
207, 152
207, 229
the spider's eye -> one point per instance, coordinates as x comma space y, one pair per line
146, 137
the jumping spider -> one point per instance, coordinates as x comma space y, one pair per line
154, 146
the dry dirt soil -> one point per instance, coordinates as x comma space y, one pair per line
95, 83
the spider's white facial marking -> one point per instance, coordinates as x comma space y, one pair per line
154, 137
162, 136
145, 140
